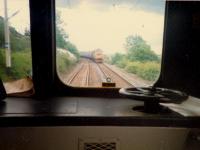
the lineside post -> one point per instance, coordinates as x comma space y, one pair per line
7, 36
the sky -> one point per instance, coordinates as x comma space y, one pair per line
103, 24
21, 20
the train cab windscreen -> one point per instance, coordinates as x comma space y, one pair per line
15, 46
114, 43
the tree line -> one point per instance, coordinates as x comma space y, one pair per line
62, 37
139, 58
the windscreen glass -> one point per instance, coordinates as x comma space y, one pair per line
109, 43
15, 45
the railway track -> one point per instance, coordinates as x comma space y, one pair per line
105, 75
81, 76
106, 80
74, 75
115, 77
91, 74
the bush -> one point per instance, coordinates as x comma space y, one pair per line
143, 55
21, 65
64, 62
116, 58
2, 57
133, 67
2, 64
148, 71
122, 62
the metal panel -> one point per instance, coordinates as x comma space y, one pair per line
99, 144
68, 138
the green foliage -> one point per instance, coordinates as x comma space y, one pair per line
62, 36
134, 43
72, 48
64, 62
143, 55
21, 65
2, 57
21, 54
148, 71
18, 41
116, 57
133, 67
122, 62
139, 50
2, 64
139, 59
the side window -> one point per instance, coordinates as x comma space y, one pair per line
109, 43
15, 45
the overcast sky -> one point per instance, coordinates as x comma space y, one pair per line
22, 19
104, 24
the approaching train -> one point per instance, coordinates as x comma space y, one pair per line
95, 55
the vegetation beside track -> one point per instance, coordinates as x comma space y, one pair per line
138, 59
21, 53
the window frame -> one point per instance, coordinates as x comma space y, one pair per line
47, 82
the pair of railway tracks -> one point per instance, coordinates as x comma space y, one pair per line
83, 69
112, 77
84, 74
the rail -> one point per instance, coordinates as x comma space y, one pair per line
114, 72
87, 79
75, 75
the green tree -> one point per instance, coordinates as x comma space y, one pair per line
18, 41
116, 57
144, 55
62, 37
72, 48
136, 43
139, 50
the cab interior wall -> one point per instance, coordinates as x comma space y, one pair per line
180, 62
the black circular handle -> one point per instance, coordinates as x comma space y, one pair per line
154, 94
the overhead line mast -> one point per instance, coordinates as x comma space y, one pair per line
7, 36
